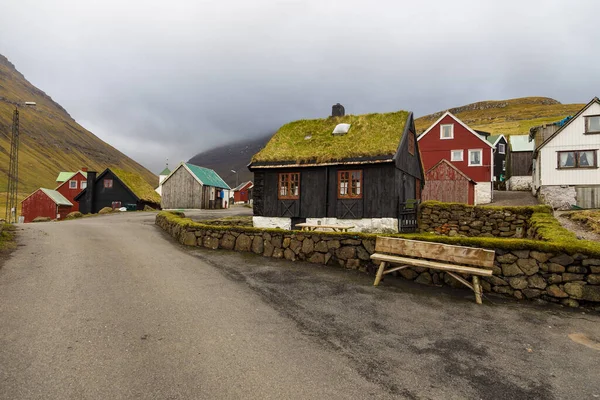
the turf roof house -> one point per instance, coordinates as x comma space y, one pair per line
116, 188
191, 186
565, 160
360, 176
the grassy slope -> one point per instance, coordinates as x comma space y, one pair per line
514, 116
51, 141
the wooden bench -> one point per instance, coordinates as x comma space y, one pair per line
313, 227
405, 253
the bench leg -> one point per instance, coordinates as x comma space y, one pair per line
477, 289
379, 273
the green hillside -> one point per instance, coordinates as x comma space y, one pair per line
514, 116
51, 141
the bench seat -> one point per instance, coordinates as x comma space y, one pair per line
432, 264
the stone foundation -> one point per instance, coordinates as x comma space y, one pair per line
558, 277
483, 193
366, 225
558, 197
519, 183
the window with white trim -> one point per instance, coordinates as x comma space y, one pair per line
447, 131
457, 155
475, 158
592, 124
501, 148
83, 184
72, 184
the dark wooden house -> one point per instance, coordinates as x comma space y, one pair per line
519, 163
116, 188
355, 170
500, 151
444, 182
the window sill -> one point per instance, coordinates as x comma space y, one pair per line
570, 168
592, 133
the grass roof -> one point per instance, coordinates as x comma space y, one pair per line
370, 135
137, 185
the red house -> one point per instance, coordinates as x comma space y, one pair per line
241, 194
451, 139
444, 182
45, 203
72, 184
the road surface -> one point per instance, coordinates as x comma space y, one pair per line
111, 308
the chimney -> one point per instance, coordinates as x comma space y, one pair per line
84, 169
338, 110
88, 201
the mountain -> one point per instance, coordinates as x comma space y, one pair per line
51, 140
235, 156
513, 116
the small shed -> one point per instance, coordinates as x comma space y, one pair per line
116, 188
444, 182
191, 186
45, 203
241, 194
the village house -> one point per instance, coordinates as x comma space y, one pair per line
45, 203
71, 184
565, 160
444, 182
191, 186
519, 163
500, 145
451, 139
116, 188
161, 178
355, 170
242, 193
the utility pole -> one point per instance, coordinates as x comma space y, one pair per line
13, 168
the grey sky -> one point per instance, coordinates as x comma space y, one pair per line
172, 78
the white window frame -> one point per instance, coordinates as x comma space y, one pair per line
501, 150
480, 151
462, 155
451, 131
83, 184
71, 186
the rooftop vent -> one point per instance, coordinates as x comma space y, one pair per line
338, 110
341, 129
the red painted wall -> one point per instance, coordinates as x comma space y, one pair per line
433, 149
69, 193
242, 195
444, 183
40, 205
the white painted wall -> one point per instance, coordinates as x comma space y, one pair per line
571, 138
483, 193
367, 225
161, 178
272, 222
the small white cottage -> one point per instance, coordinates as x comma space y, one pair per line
565, 165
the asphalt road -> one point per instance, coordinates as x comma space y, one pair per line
111, 307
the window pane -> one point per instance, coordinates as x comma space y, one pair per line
567, 159
594, 124
446, 131
586, 159
457, 155
475, 157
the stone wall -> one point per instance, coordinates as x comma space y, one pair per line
461, 219
558, 197
519, 183
523, 274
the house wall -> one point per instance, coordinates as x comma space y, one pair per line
69, 193
571, 138
242, 195
499, 158
519, 163
519, 183
38, 205
182, 190
483, 193
447, 185
104, 197
434, 149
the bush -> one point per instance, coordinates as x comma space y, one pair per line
105, 210
42, 219
74, 214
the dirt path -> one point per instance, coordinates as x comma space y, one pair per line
514, 198
580, 231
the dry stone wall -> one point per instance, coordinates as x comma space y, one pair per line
569, 279
461, 219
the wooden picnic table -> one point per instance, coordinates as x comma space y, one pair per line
313, 227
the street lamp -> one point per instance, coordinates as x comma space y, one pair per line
13, 168
236, 177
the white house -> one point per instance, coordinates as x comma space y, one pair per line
565, 165
161, 177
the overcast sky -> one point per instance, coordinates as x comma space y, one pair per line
161, 79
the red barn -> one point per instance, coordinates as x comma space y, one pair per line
72, 185
451, 139
241, 194
45, 203
444, 182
